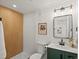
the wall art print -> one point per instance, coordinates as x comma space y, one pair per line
42, 28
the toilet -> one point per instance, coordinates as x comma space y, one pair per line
36, 56
41, 49
40, 52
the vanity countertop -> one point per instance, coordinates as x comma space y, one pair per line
63, 48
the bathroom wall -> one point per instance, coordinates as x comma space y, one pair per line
46, 15
13, 31
29, 33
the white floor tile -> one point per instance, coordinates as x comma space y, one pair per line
21, 56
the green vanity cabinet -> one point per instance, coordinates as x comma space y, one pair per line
68, 55
58, 54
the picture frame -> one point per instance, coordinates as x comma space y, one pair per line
62, 26
42, 28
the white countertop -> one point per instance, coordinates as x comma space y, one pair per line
63, 48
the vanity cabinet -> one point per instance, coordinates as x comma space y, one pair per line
68, 55
59, 54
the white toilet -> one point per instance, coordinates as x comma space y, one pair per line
36, 56
40, 52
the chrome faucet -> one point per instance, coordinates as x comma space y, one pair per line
62, 42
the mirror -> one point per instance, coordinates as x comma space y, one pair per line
63, 26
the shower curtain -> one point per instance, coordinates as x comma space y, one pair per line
2, 42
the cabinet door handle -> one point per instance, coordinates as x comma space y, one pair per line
61, 56
70, 57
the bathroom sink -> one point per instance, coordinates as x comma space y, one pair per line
63, 48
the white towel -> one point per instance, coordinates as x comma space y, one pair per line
2, 42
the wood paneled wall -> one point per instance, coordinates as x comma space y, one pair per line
13, 31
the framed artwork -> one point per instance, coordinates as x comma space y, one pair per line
42, 28
62, 26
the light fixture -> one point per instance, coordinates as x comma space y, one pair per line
14, 5
63, 8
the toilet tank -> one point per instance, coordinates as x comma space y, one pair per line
40, 49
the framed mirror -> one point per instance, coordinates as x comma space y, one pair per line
63, 26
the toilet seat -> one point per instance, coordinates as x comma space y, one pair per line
36, 56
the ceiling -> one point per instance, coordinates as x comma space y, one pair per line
26, 6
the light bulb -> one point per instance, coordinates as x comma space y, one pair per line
14, 5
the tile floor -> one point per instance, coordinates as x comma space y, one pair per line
22, 55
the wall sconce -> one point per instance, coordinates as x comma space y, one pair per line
63, 8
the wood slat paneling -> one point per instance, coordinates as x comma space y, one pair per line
13, 31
